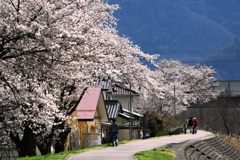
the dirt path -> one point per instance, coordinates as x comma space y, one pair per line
126, 151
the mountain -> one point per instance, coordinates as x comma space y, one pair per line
227, 61
194, 31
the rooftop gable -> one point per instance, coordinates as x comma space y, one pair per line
104, 84
88, 105
113, 108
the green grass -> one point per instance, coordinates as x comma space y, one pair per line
62, 155
156, 154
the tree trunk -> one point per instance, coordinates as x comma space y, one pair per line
45, 148
59, 145
16, 140
26, 146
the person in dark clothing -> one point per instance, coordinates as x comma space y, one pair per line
114, 132
185, 128
190, 124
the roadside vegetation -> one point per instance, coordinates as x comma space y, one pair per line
233, 140
63, 155
156, 154
156, 125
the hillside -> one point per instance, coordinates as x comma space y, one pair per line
194, 31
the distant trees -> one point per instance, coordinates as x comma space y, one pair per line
177, 85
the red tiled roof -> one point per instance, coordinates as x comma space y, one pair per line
87, 106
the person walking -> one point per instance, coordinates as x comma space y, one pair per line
185, 128
114, 132
195, 124
190, 124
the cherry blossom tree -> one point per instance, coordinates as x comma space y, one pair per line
179, 85
172, 88
48, 49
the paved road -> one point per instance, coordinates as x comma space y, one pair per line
126, 151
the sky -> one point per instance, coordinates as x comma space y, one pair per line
205, 32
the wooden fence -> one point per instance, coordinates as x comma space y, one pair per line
90, 139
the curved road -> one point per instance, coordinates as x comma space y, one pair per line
126, 151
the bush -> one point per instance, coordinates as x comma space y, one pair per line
159, 125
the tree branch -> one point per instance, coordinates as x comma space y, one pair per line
12, 88
16, 8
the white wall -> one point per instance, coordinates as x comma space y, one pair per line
125, 101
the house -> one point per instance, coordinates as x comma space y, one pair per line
119, 104
125, 96
124, 119
87, 120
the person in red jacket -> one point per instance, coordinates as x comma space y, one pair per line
195, 124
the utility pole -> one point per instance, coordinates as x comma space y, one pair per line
174, 100
130, 108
